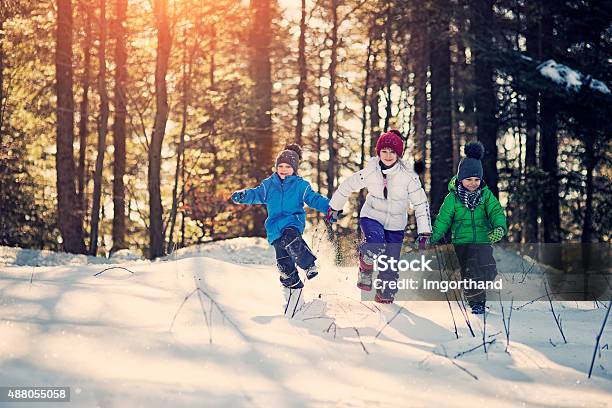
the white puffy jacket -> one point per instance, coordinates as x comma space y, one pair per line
403, 188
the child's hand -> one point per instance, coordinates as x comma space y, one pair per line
332, 215
238, 197
423, 241
496, 234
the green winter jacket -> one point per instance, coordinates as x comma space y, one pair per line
467, 226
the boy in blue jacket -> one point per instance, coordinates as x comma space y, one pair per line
284, 194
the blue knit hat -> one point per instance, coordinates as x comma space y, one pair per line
471, 165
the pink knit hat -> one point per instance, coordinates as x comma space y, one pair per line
392, 140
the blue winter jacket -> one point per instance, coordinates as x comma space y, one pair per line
284, 201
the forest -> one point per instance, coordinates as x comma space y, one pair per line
129, 123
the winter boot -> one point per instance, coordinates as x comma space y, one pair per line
311, 272
478, 307
380, 298
293, 281
364, 278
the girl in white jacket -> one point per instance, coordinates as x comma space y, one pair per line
392, 186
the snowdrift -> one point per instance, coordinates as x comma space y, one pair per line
205, 327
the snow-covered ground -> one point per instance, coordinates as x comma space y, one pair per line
205, 327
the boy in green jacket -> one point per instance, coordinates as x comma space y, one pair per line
476, 220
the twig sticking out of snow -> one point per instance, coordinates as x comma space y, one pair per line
483, 344
317, 317
223, 313
388, 323
484, 332
598, 338
463, 369
453, 362
113, 267
206, 319
347, 315
332, 324
213, 303
494, 334
179, 309
552, 309
525, 271
458, 299
543, 296
450, 307
506, 326
360, 341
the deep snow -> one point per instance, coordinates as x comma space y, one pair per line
205, 327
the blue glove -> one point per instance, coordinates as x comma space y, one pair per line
238, 197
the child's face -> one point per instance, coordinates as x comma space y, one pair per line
284, 170
471, 183
388, 156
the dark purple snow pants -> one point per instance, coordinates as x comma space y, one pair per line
379, 241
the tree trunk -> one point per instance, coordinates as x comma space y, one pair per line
459, 85
119, 127
187, 63
441, 120
1, 76
84, 109
102, 131
303, 77
261, 74
261, 37
183, 200
70, 219
156, 235
531, 119
388, 67
331, 123
486, 106
364, 103
549, 150
374, 115
587, 226
364, 122
318, 132
420, 53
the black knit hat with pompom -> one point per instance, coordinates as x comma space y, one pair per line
291, 155
471, 165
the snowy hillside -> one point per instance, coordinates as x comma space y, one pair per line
205, 327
